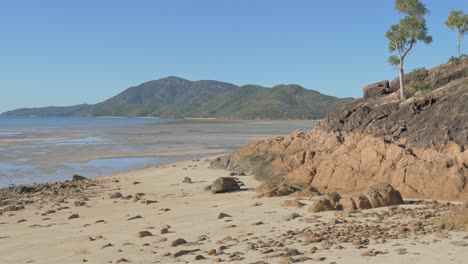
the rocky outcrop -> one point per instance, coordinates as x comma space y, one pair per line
419, 146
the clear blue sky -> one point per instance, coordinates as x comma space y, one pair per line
69, 52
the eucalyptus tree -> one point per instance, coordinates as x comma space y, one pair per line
403, 36
459, 22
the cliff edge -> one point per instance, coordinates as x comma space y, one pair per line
418, 145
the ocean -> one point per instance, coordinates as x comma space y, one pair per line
48, 149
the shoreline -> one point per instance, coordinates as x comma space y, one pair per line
96, 225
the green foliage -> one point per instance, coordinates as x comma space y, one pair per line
411, 7
175, 97
453, 61
418, 82
394, 60
457, 21
404, 35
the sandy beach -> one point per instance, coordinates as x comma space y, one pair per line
154, 208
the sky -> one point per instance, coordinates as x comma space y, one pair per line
55, 52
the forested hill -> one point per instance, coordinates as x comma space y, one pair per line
176, 97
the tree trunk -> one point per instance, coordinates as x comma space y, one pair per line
459, 48
402, 85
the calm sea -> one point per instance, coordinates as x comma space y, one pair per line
38, 149
46, 149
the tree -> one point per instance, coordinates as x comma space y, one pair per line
403, 36
458, 21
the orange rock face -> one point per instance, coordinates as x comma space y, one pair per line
419, 146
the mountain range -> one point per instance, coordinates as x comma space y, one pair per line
177, 97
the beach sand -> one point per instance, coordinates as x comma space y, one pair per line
255, 230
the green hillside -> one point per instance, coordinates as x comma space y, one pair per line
176, 97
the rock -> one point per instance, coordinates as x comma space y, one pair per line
79, 203
142, 234
457, 217
199, 257
272, 190
292, 216
223, 215
459, 243
134, 217
187, 180
333, 197
13, 207
362, 202
376, 89
73, 216
320, 204
382, 194
207, 188
292, 203
178, 242
164, 231
181, 253
116, 195
224, 184
347, 204
122, 260
369, 140
78, 178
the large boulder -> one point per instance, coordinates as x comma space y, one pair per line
320, 204
376, 89
362, 202
346, 204
457, 217
224, 184
382, 194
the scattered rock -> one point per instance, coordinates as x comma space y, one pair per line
459, 243
116, 195
224, 184
292, 203
187, 180
77, 177
142, 234
181, 253
223, 215
79, 203
134, 217
178, 242
320, 204
292, 216
73, 216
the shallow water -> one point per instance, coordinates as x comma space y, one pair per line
53, 149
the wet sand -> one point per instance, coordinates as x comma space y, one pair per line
45, 154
